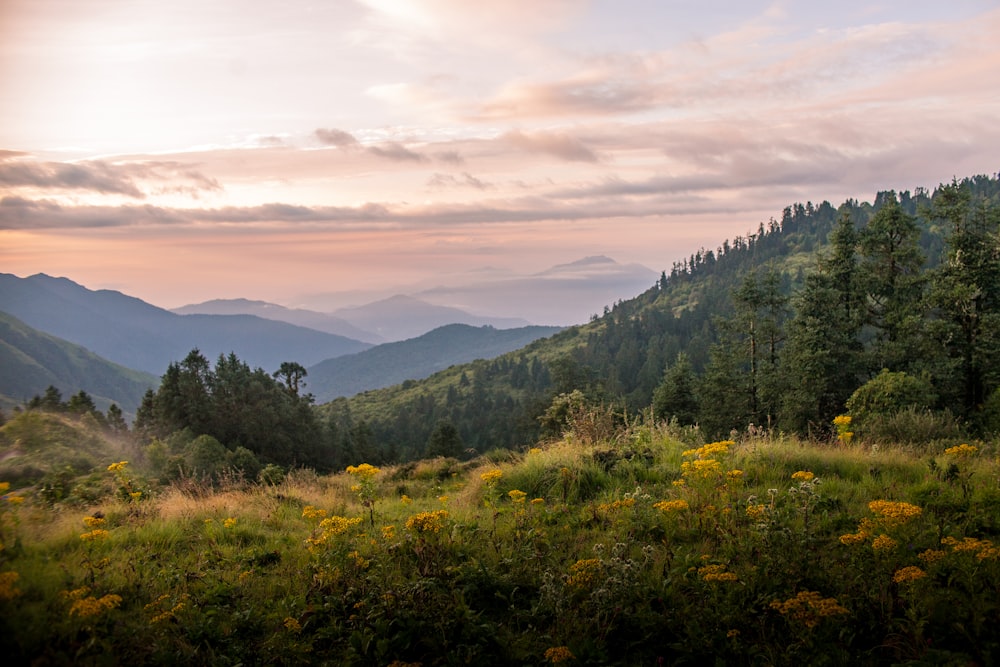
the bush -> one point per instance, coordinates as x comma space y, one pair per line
888, 393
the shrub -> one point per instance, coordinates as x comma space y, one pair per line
888, 393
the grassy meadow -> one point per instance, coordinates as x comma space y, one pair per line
644, 547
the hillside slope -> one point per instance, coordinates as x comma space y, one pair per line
31, 360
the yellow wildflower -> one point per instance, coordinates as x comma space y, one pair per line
405, 499
803, 476
363, 471
756, 512
427, 522
962, 451
842, 420
117, 467
671, 505
491, 477
584, 574
908, 574
94, 535
558, 654
884, 543
716, 573
93, 521
292, 625
310, 512
931, 555
538, 501
892, 514
229, 522
853, 538
86, 606
14, 499
808, 608
443, 499
4, 486
517, 496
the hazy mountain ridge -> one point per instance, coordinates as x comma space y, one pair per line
133, 333
31, 360
311, 319
416, 358
403, 317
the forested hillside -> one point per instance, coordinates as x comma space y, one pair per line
777, 328
31, 361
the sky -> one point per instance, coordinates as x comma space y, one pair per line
280, 149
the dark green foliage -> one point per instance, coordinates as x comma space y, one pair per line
675, 397
444, 440
239, 407
888, 393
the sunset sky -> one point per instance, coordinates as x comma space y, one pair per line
187, 150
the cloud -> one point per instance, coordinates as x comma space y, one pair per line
557, 144
103, 177
94, 176
466, 179
393, 150
335, 137
449, 157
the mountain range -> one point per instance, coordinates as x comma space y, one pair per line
135, 334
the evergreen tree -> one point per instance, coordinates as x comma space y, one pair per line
891, 264
966, 293
675, 397
444, 440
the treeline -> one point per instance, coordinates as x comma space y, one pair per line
778, 328
80, 404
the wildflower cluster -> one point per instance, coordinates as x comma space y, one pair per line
704, 465
808, 608
558, 654
984, 549
962, 451
908, 574
843, 425
328, 529
427, 522
670, 506
516, 496
127, 489
491, 477
891, 514
365, 488
165, 608
616, 506
716, 573
584, 574
86, 606
310, 512
803, 476
888, 515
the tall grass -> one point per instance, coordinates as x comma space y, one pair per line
640, 549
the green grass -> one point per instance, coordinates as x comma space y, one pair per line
456, 570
